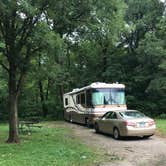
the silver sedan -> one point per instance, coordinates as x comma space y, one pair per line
125, 123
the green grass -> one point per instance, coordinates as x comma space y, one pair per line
161, 125
49, 146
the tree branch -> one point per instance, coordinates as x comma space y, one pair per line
4, 66
4, 36
20, 82
28, 25
2, 29
13, 21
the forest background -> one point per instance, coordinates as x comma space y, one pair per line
57, 45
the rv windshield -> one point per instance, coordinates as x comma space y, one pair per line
108, 96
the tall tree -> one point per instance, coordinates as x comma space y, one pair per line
140, 63
94, 41
18, 20
151, 70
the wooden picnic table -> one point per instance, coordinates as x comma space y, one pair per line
28, 125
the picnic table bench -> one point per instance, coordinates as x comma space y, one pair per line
28, 125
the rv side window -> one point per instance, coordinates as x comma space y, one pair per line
66, 101
78, 99
83, 99
88, 98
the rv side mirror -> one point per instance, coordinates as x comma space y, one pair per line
90, 106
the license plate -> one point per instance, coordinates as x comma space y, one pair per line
142, 124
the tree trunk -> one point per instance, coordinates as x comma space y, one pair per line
68, 58
61, 92
47, 92
13, 120
44, 109
13, 112
104, 63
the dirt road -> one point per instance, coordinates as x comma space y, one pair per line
130, 152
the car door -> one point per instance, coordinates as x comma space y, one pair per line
103, 121
110, 122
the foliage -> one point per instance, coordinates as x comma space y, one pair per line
80, 42
145, 55
162, 116
161, 126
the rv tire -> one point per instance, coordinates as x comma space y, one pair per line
70, 119
87, 122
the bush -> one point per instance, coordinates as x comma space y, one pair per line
162, 116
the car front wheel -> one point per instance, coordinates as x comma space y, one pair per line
96, 128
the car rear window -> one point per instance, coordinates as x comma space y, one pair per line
131, 114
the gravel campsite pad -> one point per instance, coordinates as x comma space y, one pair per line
125, 152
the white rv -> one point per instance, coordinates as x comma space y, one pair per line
85, 104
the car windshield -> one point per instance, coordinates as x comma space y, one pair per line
132, 114
108, 96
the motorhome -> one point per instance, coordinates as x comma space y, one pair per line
84, 105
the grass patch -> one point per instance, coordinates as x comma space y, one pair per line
161, 125
51, 145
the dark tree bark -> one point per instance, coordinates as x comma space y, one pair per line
13, 120
61, 92
13, 112
42, 99
104, 59
47, 91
